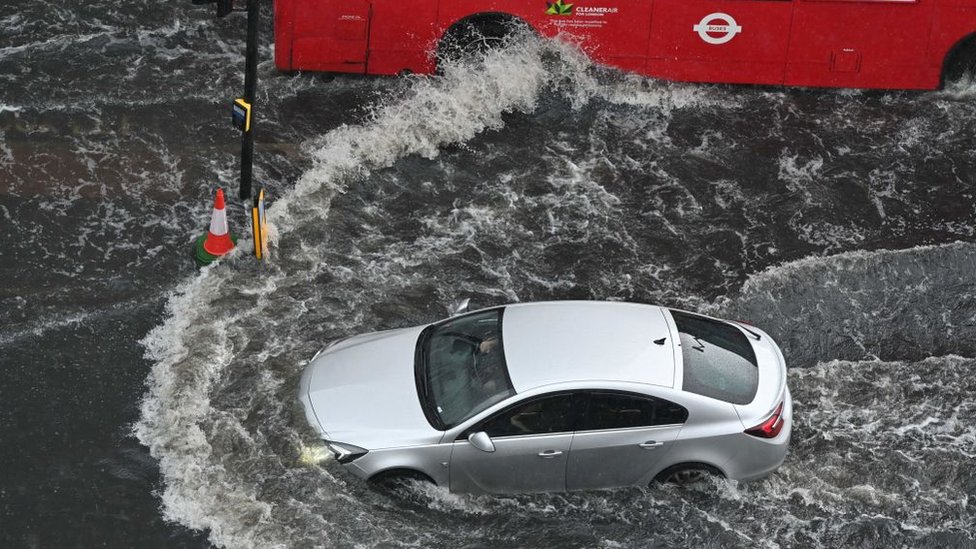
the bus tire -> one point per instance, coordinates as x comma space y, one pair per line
960, 61
476, 35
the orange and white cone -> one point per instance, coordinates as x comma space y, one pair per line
218, 242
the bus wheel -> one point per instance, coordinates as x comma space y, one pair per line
473, 37
961, 62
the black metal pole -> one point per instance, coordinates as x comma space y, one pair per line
250, 87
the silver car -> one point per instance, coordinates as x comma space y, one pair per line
554, 396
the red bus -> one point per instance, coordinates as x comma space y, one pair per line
905, 44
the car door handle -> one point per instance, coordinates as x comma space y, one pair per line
549, 454
651, 444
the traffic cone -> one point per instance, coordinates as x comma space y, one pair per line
218, 242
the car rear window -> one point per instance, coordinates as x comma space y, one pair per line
718, 360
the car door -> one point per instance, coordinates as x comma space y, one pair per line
620, 438
742, 41
531, 443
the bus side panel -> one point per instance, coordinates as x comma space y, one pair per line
283, 32
330, 35
861, 44
953, 22
402, 37
613, 33
753, 50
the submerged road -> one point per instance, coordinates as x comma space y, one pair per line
148, 403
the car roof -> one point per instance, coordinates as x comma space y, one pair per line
567, 341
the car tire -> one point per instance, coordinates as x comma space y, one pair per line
398, 479
685, 474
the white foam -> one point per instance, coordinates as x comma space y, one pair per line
465, 101
799, 174
845, 261
54, 43
962, 90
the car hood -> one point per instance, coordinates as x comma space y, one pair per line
362, 391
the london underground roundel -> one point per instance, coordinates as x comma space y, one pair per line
717, 28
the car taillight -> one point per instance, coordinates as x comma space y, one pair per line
771, 427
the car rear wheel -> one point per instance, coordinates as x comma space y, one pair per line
685, 474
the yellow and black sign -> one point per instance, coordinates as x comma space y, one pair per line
259, 223
242, 115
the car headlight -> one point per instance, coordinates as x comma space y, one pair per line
345, 453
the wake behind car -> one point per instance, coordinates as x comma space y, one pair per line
554, 396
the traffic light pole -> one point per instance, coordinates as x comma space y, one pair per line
250, 88
242, 117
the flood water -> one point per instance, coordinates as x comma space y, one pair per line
149, 403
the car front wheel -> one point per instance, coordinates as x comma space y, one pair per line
392, 481
685, 474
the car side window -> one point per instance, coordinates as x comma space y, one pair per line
621, 411
552, 414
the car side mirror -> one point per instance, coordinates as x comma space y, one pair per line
481, 441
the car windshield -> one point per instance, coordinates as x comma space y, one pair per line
461, 368
718, 360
